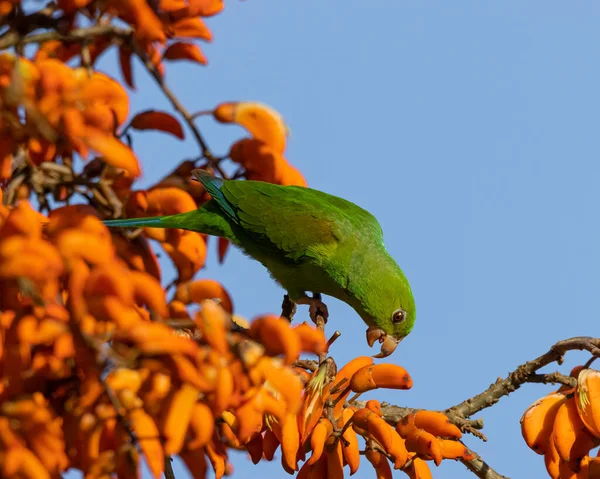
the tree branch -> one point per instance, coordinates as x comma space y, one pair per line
526, 373
523, 374
187, 116
13, 38
482, 469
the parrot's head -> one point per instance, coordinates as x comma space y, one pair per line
391, 313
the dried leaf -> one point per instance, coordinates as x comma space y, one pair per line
125, 55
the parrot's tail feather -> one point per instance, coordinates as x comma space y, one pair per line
208, 219
213, 185
155, 222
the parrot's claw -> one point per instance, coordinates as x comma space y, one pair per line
388, 343
288, 308
317, 308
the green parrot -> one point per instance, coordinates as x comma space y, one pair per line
309, 241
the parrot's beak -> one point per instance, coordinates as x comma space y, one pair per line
388, 343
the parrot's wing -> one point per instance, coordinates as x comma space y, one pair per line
297, 221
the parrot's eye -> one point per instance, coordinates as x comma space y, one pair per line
399, 316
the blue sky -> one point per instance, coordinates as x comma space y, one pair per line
470, 130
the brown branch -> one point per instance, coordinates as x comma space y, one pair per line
553, 378
392, 414
482, 469
169, 473
13, 38
307, 364
177, 105
526, 373
523, 374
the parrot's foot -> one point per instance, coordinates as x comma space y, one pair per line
288, 308
317, 308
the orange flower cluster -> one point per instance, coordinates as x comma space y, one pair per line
66, 110
329, 427
76, 308
157, 29
64, 294
261, 156
564, 426
187, 249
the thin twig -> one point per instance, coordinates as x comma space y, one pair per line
307, 364
187, 116
333, 339
482, 469
169, 473
523, 374
12, 38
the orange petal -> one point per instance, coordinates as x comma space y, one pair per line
188, 254
158, 120
185, 51
260, 160
23, 220
254, 446
437, 424
125, 55
30, 258
169, 201
217, 456
112, 150
213, 323
275, 334
312, 339
148, 291
105, 90
177, 417
456, 450
204, 8
195, 461
319, 435
290, 442
149, 440
200, 290
270, 444
376, 376
350, 445
223, 246
7, 146
190, 28
291, 176
341, 384
380, 463
75, 244
201, 426
261, 121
